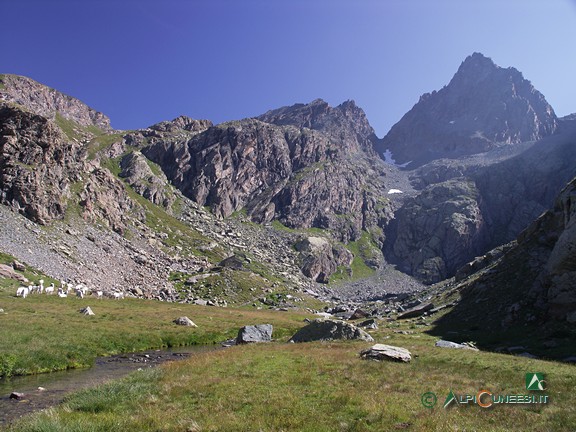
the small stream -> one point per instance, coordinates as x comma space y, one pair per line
57, 385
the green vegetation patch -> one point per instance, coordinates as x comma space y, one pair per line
177, 233
102, 142
364, 250
74, 130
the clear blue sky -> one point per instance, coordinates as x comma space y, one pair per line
144, 61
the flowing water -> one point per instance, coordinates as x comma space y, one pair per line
46, 390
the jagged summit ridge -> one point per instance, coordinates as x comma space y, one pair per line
483, 106
346, 123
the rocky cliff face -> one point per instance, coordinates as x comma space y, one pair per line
436, 232
48, 102
278, 168
553, 235
482, 107
44, 172
38, 165
137, 172
499, 194
531, 286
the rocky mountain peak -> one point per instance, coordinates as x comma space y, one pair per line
49, 103
476, 66
484, 106
346, 124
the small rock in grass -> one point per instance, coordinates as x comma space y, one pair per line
185, 321
17, 265
87, 311
369, 324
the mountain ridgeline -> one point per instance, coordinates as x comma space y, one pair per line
482, 158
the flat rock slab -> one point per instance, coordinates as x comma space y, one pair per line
185, 321
447, 344
387, 352
255, 334
416, 311
319, 330
359, 313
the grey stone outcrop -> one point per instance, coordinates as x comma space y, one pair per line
323, 330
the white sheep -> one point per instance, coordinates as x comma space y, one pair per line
99, 295
41, 286
118, 295
50, 289
61, 293
22, 292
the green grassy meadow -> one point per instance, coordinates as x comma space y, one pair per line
263, 387
317, 387
46, 333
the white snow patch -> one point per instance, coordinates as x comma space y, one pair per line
394, 191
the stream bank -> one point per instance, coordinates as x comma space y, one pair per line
45, 390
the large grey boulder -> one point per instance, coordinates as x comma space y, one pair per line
387, 352
319, 330
255, 333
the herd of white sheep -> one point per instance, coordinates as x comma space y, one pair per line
80, 290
